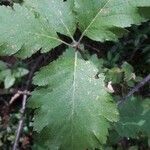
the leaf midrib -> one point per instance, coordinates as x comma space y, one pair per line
50, 37
73, 93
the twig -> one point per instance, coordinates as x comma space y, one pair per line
13, 91
23, 108
135, 89
19, 129
18, 94
93, 48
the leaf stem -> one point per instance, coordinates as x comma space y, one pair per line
50, 37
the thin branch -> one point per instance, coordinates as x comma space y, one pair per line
18, 94
21, 121
93, 48
50, 37
23, 108
13, 91
135, 89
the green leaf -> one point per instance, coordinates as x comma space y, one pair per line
103, 20
128, 71
20, 72
9, 81
98, 62
4, 73
134, 118
2, 66
33, 26
72, 105
114, 75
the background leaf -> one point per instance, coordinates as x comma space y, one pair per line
134, 117
9, 81
103, 20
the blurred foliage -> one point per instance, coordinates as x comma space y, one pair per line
134, 118
9, 76
125, 64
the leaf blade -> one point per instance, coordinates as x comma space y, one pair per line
106, 19
30, 30
83, 114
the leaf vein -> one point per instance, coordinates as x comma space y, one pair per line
101, 9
